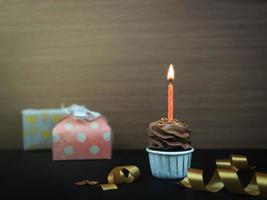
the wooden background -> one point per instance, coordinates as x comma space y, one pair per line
112, 56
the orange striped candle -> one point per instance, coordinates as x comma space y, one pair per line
170, 77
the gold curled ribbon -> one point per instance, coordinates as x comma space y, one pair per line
118, 175
226, 176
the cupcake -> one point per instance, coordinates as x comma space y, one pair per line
169, 149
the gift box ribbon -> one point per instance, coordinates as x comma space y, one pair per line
81, 112
226, 176
118, 175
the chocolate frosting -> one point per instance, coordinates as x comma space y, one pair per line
168, 135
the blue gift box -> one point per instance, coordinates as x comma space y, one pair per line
37, 127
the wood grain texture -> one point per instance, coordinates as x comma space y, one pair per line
112, 56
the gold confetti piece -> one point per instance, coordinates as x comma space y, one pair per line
118, 175
226, 176
86, 182
109, 186
91, 182
80, 183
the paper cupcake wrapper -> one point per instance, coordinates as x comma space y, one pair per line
169, 165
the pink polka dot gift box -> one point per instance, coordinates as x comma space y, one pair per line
82, 135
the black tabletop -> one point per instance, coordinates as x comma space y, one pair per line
33, 175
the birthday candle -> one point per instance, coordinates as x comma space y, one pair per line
170, 78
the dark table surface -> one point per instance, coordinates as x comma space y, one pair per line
33, 175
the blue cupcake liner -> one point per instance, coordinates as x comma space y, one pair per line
169, 165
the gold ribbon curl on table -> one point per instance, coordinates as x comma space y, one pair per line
226, 176
118, 175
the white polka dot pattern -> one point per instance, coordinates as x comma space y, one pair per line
94, 149
94, 125
81, 137
56, 137
68, 150
68, 126
106, 136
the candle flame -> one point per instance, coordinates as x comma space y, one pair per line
170, 75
